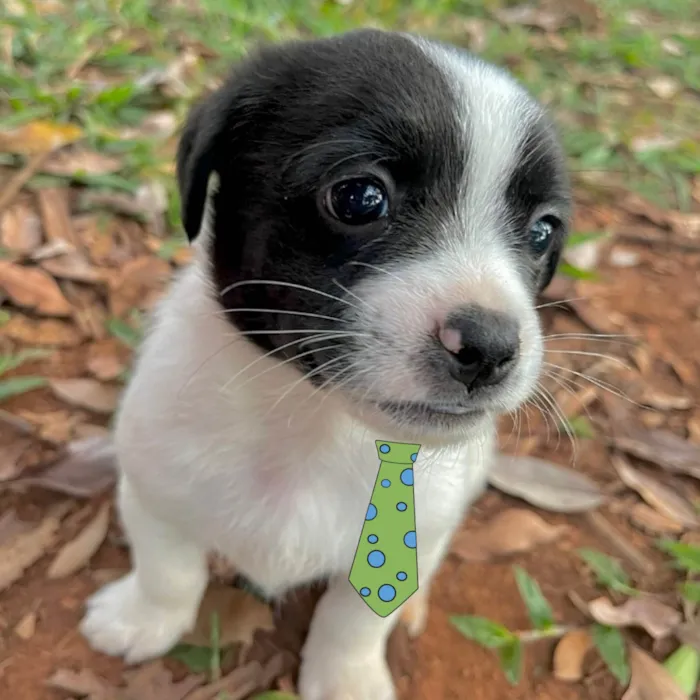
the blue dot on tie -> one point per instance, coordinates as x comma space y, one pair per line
401, 576
401, 506
371, 512
365, 591
386, 593
409, 539
407, 477
386, 483
373, 539
414, 457
376, 559
384, 449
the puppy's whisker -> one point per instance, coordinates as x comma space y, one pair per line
559, 302
375, 267
320, 337
596, 382
601, 337
352, 294
304, 377
291, 285
308, 314
602, 356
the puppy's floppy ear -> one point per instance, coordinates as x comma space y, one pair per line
196, 160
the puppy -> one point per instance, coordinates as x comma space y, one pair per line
372, 216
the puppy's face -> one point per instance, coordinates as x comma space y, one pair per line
387, 210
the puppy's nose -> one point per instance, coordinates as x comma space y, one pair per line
482, 345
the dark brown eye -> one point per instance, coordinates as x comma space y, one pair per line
541, 234
358, 201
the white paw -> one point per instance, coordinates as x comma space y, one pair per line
121, 621
325, 677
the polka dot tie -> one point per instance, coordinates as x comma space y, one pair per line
385, 569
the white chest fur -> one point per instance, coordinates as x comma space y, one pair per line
282, 493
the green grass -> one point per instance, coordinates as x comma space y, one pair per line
92, 64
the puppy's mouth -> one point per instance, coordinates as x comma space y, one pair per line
423, 411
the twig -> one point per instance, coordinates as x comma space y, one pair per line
555, 632
17, 182
617, 540
651, 240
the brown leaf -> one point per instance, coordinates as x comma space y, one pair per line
237, 685
511, 531
50, 331
657, 619
55, 427
87, 469
570, 655
32, 288
25, 549
38, 137
26, 627
240, 616
73, 266
656, 494
650, 680
550, 20
20, 229
11, 526
660, 447
150, 682
74, 555
55, 214
135, 281
10, 458
689, 633
73, 161
545, 485
87, 393
105, 360
662, 401
652, 521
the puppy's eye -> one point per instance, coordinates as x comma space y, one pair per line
358, 201
541, 233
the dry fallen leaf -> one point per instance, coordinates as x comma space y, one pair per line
48, 331
656, 494
650, 680
662, 448
657, 619
550, 20
88, 468
106, 359
150, 682
11, 526
545, 485
38, 137
511, 531
74, 555
237, 685
662, 401
20, 229
570, 655
653, 522
240, 615
32, 288
26, 548
79, 161
87, 393
26, 627
11, 458
73, 266
135, 281
55, 213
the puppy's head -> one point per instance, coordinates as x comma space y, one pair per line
387, 210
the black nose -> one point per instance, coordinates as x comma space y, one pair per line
482, 345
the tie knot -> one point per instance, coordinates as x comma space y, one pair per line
397, 452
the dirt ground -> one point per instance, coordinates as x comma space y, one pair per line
89, 240
655, 304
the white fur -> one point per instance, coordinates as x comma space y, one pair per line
211, 458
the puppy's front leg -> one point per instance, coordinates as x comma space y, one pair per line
145, 613
344, 657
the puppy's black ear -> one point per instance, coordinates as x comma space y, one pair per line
196, 160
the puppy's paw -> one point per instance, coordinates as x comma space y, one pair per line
326, 677
121, 621
414, 614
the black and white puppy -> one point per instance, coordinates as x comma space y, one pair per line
373, 215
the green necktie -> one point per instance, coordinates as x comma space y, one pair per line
385, 569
